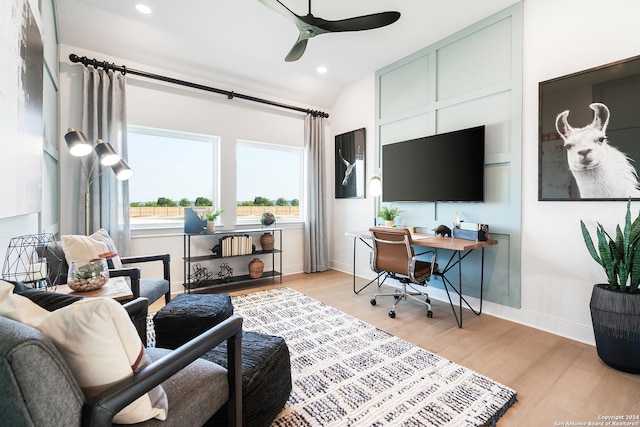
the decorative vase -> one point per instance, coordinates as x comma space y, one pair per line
211, 225
267, 219
88, 276
256, 267
616, 327
266, 242
389, 223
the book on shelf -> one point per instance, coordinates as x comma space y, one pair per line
236, 245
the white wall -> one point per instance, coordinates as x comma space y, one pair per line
560, 37
354, 109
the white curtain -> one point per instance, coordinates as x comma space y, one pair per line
105, 117
316, 247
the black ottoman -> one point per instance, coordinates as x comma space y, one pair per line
266, 378
187, 316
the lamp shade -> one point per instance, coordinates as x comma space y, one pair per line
122, 170
77, 143
375, 186
106, 153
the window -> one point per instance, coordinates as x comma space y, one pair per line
269, 179
172, 170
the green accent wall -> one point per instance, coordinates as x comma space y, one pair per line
471, 78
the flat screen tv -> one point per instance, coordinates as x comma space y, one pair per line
448, 167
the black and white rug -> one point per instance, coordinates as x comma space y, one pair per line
348, 373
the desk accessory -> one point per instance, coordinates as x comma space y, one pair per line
478, 233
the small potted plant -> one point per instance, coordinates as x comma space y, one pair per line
615, 305
389, 214
211, 215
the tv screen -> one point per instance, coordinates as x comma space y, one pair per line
447, 167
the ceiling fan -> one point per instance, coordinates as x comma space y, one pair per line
309, 26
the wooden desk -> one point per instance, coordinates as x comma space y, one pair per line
116, 288
460, 249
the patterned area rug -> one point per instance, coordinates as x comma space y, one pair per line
348, 373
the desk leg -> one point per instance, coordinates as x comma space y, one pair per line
355, 241
448, 284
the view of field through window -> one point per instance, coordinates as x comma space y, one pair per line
159, 197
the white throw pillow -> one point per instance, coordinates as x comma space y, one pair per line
78, 248
104, 237
102, 347
19, 308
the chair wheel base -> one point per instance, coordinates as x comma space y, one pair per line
392, 314
429, 314
373, 301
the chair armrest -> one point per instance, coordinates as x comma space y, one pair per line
165, 258
137, 310
100, 410
133, 273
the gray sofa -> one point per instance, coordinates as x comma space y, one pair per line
37, 387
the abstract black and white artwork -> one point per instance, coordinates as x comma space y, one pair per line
350, 165
589, 134
21, 97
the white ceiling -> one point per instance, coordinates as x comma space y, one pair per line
242, 44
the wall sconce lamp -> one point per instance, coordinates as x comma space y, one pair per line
375, 189
107, 155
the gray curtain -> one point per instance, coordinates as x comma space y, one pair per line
316, 247
105, 117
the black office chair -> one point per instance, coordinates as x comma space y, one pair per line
392, 256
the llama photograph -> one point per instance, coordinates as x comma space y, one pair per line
589, 134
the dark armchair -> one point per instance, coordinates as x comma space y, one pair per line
150, 288
38, 388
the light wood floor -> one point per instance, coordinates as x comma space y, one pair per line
558, 381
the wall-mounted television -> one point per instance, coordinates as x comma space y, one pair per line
448, 167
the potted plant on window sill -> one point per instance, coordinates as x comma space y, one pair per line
211, 215
389, 214
615, 306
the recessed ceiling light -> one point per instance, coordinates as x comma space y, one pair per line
321, 69
143, 8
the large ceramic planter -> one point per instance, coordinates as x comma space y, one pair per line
616, 325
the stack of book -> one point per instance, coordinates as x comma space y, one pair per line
236, 245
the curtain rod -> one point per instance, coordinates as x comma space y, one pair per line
230, 95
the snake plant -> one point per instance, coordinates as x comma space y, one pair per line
619, 257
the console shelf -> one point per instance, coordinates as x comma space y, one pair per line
194, 256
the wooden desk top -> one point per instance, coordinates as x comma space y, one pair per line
434, 241
116, 288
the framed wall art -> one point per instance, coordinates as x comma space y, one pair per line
589, 134
21, 109
350, 171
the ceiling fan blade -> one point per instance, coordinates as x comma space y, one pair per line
280, 8
297, 50
359, 23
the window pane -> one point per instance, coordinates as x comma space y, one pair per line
171, 171
269, 176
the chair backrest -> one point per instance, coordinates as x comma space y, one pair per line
391, 250
36, 385
56, 262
